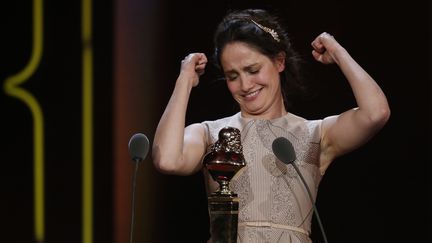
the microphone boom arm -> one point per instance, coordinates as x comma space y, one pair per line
313, 203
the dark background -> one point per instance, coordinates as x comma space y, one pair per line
378, 193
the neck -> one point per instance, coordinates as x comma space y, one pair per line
270, 114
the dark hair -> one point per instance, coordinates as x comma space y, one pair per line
240, 26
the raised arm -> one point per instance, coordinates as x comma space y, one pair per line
351, 129
176, 149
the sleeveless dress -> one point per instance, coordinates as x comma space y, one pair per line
274, 204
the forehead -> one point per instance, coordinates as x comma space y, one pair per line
239, 54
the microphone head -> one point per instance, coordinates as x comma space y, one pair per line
284, 150
138, 147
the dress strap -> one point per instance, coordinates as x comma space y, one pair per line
272, 225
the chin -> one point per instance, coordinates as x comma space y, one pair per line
254, 111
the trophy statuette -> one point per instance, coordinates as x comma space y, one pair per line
223, 161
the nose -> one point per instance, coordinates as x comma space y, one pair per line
246, 83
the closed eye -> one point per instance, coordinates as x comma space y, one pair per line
231, 77
253, 69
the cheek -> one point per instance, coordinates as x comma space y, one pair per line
232, 86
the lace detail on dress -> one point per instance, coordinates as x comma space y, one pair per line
282, 210
241, 185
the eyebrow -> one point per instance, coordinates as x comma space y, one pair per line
248, 67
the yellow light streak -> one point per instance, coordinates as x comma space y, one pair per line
11, 87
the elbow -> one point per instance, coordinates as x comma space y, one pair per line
163, 163
380, 117
164, 167
160, 163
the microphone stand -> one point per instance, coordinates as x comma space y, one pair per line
136, 160
313, 204
138, 149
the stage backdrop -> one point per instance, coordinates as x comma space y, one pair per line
80, 78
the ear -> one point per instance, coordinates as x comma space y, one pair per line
280, 61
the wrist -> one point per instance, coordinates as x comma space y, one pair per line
185, 81
339, 54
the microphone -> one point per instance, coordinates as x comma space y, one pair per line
138, 149
284, 151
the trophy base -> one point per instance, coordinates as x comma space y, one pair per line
223, 212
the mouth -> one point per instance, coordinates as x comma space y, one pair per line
252, 95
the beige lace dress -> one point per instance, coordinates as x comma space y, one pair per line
274, 204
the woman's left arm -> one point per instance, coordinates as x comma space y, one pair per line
349, 130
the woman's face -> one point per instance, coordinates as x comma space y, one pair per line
253, 80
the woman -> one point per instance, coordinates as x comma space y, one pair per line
258, 62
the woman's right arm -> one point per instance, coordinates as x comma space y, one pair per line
176, 149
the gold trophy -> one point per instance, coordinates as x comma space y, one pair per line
223, 161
